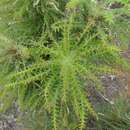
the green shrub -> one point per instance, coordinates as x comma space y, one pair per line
51, 49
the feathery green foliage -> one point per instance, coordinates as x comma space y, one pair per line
54, 48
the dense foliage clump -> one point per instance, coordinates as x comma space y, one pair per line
51, 49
